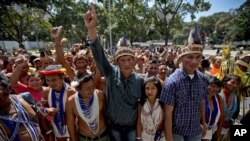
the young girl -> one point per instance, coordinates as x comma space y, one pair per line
150, 113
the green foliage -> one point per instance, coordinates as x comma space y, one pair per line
169, 12
133, 18
18, 22
29, 3
242, 20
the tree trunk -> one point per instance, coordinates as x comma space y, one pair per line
20, 35
21, 45
131, 41
166, 36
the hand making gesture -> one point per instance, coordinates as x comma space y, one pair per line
90, 20
56, 34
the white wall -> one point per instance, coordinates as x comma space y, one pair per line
9, 45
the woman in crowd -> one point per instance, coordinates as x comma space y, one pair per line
230, 102
7, 66
34, 83
36, 89
215, 65
150, 112
214, 110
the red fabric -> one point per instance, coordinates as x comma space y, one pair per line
52, 72
21, 88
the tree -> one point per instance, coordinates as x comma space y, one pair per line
242, 20
17, 21
129, 18
219, 27
18, 16
167, 11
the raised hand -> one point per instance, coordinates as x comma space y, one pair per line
90, 18
56, 33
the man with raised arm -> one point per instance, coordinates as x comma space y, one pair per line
124, 86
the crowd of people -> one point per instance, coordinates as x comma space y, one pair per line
134, 95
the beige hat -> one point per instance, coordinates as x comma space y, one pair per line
37, 59
124, 51
243, 63
190, 49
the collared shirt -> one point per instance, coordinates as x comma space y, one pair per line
185, 95
122, 94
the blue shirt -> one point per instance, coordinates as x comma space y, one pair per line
185, 95
122, 94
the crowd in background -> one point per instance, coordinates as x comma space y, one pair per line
135, 94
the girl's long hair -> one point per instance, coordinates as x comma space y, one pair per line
156, 82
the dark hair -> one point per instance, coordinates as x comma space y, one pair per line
152, 62
83, 78
162, 63
229, 77
216, 81
4, 81
156, 82
32, 58
205, 63
5, 63
35, 74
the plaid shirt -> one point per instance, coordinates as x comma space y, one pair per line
185, 94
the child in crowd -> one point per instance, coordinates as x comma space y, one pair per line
150, 112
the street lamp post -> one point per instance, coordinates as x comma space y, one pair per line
168, 18
110, 29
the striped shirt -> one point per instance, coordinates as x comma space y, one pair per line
185, 95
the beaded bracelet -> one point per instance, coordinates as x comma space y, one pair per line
48, 132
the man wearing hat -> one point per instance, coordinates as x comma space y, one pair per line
124, 86
57, 97
38, 64
183, 96
240, 69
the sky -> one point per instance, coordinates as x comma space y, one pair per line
217, 6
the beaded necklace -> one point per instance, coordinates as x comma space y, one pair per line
59, 119
230, 107
12, 125
22, 117
211, 116
90, 114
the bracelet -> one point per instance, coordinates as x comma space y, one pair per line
138, 139
48, 132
